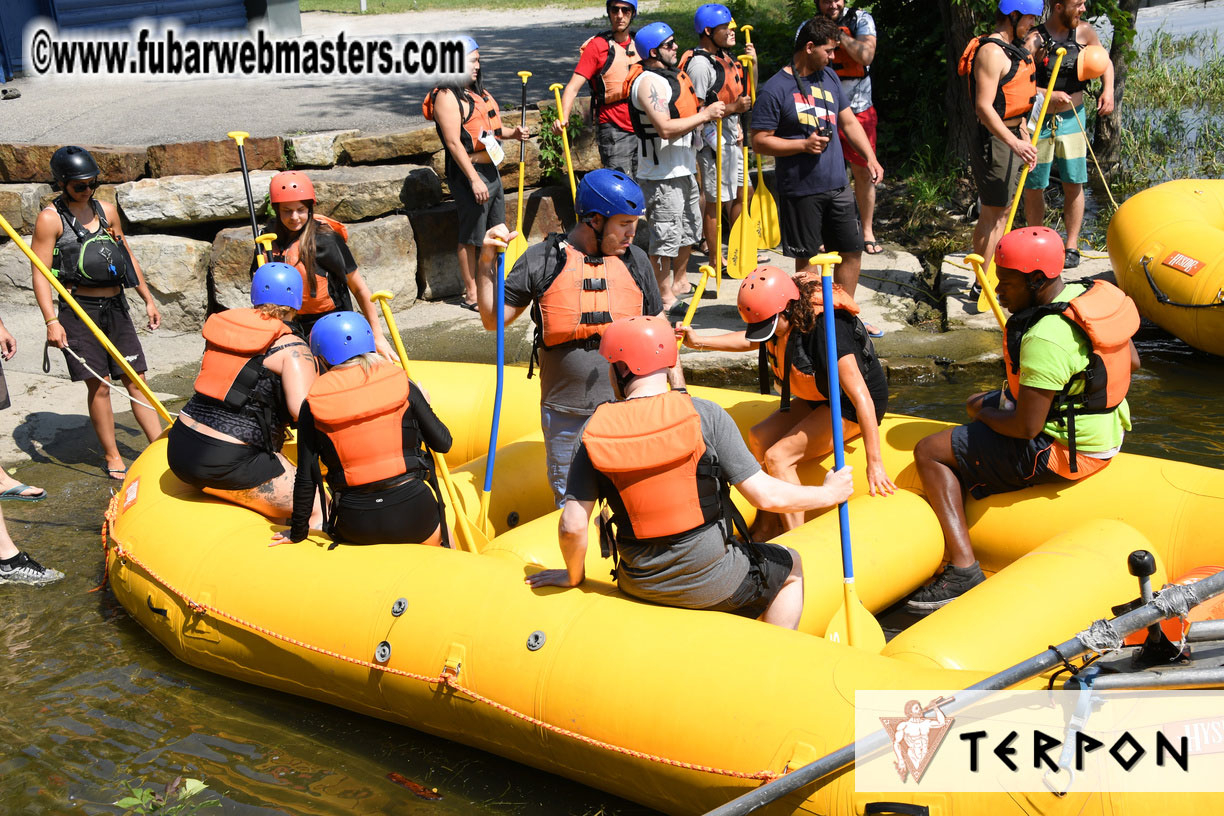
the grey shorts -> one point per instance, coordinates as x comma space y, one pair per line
732, 172
475, 219
618, 149
562, 433
673, 214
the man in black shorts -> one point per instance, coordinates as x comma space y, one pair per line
663, 461
796, 118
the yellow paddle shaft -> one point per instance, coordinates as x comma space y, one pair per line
988, 291
467, 536
706, 271
569, 164
76, 307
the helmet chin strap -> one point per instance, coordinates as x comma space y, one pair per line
599, 233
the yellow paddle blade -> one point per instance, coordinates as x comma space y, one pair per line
515, 249
765, 212
742, 246
991, 284
853, 625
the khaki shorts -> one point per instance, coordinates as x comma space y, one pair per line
996, 168
732, 171
673, 214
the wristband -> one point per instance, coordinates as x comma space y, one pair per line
53, 320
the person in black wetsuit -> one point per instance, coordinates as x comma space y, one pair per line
372, 427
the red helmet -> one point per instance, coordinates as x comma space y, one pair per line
1031, 250
291, 185
764, 295
645, 344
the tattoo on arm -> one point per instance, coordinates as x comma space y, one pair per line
657, 103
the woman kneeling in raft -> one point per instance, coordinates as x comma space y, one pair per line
315, 244
255, 374
787, 317
370, 425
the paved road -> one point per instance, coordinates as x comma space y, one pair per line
133, 111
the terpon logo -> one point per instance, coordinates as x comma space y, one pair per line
1183, 263
917, 736
1089, 741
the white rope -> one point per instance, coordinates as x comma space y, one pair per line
106, 382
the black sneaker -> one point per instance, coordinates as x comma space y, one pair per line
948, 585
22, 569
1071, 259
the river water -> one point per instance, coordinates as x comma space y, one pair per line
90, 701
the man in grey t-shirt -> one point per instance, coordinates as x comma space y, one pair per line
662, 461
574, 285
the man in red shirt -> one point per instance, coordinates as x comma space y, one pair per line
604, 64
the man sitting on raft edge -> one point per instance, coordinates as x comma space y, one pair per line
1062, 415
663, 461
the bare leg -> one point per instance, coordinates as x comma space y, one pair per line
102, 417
663, 273
761, 437
709, 224
7, 548
989, 230
466, 254
865, 196
1034, 207
679, 272
7, 482
273, 499
847, 272
936, 466
146, 418
810, 438
787, 606
1073, 212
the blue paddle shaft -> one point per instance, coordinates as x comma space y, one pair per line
500, 305
834, 395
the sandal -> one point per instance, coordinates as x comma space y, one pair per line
115, 473
18, 493
471, 307
873, 247
1071, 259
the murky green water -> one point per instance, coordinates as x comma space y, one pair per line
90, 700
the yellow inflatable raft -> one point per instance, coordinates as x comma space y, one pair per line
679, 710
1166, 245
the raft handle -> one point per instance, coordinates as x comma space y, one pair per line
535, 641
896, 807
155, 610
1161, 297
383, 653
398, 607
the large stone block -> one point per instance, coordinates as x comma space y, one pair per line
15, 275
436, 231
386, 256
389, 147
20, 204
214, 157
183, 200
317, 149
356, 193
531, 164
548, 210
176, 270
32, 162
230, 267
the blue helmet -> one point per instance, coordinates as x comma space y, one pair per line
1034, 7
341, 336
470, 43
651, 36
277, 283
711, 15
609, 192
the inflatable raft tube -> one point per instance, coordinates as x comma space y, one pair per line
1166, 245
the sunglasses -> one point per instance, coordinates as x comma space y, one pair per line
82, 186
620, 10
670, 44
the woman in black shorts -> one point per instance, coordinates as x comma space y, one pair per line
372, 427
787, 317
79, 238
255, 374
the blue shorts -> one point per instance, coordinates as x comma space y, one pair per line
1063, 141
562, 432
988, 462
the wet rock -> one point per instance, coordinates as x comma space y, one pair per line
355, 193
317, 149
214, 157
20, 204
911, 370
29, 162
185, 200
386, 255
176, 270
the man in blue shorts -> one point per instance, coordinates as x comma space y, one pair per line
1061, 417
798, 114
1063, 142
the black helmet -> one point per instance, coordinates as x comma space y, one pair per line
71, 162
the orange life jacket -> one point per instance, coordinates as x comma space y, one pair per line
799, 362
729, 82
582, 295
684, 102
481, 116
1108, 319
364, 419
844, 65
320, 296
656, 474
1017, 87
608, 86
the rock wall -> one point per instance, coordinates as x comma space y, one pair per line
184, 208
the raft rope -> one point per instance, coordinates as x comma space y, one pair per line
1084, 130
448, 677
96, 375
